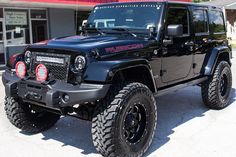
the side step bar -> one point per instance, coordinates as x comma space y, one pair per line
179, 86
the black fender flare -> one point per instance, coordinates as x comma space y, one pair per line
104, 71
213, 58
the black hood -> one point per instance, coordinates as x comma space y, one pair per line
85, 44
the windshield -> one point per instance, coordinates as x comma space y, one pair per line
128, 16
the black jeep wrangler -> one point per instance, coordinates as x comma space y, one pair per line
127, 54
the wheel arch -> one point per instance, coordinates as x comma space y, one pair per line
137, 70
218, 53
139, 73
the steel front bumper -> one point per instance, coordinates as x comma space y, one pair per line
56, 95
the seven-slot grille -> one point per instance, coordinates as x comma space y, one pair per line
57, 64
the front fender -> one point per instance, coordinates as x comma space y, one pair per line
213, 58
103, 71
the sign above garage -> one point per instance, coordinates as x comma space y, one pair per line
16, 18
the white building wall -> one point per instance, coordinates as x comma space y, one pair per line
231, 31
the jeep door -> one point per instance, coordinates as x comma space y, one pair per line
177, 56
209, 31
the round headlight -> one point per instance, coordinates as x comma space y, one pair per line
80, 62
27, 57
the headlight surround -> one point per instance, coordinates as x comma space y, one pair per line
41, 73
20, 69
80, 63
28, 55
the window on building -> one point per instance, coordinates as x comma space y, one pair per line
179, 16
17, 27
200, 21
38, 14
1, 29
1, 32
39, 31
1, 12
216, 21
39, 25
2, 58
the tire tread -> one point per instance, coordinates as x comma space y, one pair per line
21, 119
103, 121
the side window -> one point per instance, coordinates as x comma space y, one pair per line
200, 21
216, 21
179, 16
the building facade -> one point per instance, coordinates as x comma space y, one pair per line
24, 22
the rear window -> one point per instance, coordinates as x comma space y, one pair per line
216, 21
200, 21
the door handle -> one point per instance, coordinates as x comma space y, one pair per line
189, 43
208, 41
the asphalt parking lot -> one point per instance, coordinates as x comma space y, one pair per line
186, 128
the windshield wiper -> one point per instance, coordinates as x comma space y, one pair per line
95, 29
125, 30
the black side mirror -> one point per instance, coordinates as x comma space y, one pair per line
175, 30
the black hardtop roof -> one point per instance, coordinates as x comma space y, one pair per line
163, 1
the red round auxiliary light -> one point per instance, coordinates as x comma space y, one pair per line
20, 69
41, 73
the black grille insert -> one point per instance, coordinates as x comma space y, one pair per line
57, 64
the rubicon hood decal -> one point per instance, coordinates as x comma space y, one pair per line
123, 48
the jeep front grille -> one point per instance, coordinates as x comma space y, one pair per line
57, 64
